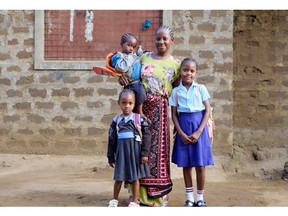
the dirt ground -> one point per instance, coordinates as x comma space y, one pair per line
86, 181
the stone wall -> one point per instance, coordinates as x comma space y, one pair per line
68, 112
207, 36
48, 112
260, 110
242, 59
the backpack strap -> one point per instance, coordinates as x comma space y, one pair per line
176, 96
117, 122
137, 119
137, 122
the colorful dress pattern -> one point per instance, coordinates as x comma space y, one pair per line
157, 76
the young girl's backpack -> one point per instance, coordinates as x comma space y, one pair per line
210, 123
107, 69
137, 123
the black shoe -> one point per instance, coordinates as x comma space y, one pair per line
201, 203
188, 203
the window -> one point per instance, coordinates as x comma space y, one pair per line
81, 39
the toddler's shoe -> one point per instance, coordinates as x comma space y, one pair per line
113, 203
133, 204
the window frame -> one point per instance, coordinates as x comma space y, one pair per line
41, 64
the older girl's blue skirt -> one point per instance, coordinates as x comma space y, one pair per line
194, 154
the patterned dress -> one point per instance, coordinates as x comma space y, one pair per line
157, 77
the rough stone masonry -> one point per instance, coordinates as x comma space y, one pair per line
242, 59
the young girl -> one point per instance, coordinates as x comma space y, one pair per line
128, 147
128, 63
190, 112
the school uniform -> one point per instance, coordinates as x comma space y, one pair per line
126, 147
191, 111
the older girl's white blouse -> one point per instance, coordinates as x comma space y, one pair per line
190, 100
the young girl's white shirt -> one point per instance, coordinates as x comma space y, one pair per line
190, 100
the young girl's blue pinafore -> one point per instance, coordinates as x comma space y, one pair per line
128, 154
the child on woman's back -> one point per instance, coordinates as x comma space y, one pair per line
128, 147
192, 148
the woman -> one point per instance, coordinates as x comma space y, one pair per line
159, 73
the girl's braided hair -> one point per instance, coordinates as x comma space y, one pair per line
171, 34
127, 36
126, 92
188, 60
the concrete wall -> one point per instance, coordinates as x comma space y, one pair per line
207, 36
68, 112
53, 112
242, 58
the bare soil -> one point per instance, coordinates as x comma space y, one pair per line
78, 181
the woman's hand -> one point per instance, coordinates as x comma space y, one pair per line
165, 93
144, 159
124, 80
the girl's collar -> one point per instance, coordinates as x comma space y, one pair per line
194, 83
127, 118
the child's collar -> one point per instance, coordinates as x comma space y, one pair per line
126, 118
194, 84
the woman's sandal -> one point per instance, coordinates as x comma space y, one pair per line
201, 203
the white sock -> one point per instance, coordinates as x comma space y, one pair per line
200, 194
190, 194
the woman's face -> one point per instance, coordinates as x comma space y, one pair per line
163, 41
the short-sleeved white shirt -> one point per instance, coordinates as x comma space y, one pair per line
190, 100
